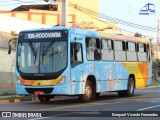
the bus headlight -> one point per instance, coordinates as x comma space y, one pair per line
18, 81
62, 81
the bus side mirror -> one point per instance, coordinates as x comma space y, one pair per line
9, 47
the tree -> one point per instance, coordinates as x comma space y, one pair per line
152, 53
156, 66
137, 34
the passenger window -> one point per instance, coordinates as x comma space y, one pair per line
131, 51
148, 52
93, 49
107, 50
142, 52
120, 54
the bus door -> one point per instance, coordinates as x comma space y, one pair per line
77, 66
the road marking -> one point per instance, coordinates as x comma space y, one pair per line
80, 105
95, 103
70, 113
39, 118
148, 108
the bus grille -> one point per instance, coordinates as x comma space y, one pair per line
45, 90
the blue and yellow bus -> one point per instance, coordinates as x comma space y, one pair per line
67, 61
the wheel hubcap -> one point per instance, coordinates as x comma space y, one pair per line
88, 91
131, 88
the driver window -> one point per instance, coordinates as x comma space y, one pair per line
76, 52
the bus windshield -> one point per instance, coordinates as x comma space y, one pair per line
41, 57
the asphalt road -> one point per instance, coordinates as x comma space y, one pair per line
145, 100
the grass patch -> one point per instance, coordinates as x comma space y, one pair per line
23, 98
155, 83
7, 93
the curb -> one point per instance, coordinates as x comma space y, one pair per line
154, 86
7, 86
17, 100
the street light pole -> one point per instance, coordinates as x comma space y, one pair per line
157, 40
64, 13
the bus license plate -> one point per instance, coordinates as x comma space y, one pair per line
39, 92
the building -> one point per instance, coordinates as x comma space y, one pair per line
154, 48
82, 14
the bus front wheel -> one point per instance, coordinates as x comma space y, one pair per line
87, 96
44, 98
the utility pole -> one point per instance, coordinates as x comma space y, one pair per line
64, 13
158, 30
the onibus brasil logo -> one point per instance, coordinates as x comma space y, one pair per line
147, 9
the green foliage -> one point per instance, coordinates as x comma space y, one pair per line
156, 66
137, 34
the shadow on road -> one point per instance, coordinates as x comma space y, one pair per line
75, 100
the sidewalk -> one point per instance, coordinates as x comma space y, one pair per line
8, 95
7, 88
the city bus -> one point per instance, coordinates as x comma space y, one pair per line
74, 62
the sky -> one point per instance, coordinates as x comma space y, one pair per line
126, 10
11, 4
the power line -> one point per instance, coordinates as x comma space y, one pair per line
94, 13
91, 13
115, 20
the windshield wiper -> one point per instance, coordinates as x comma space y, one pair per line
32, 48
47, 48
53, 53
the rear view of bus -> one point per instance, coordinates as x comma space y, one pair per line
41, 63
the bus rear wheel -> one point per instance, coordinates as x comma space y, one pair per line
88, 94
130, 89
44, 98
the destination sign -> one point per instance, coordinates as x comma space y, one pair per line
42, 35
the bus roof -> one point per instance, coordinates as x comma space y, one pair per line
123, 37
87, 33
90, 33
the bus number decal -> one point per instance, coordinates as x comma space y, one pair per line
48, 82
109, 69
90, 68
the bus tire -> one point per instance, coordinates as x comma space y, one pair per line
44, 98
97, 95
88, 95
121, 93
130, 89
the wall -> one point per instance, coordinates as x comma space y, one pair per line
39, 16
7, 67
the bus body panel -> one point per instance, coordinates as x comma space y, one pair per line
109, 75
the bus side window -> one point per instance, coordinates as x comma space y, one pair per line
93, 49
142, 52
131, 51
76, 52
119, 50
97, 54
107, 50
148, 52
